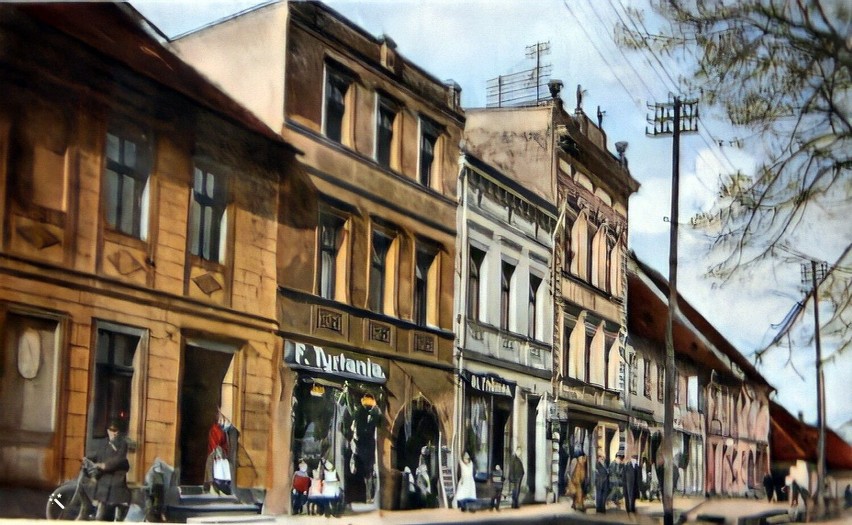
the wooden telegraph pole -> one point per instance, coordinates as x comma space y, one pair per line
672, 118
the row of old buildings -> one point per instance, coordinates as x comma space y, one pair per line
322, 246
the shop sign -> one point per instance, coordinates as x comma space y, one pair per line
333, 362
490, 384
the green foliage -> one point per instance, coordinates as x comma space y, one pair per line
781, 70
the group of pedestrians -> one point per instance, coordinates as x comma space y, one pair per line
466, 498
614, 481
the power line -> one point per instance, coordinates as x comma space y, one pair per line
591, 41
703, 132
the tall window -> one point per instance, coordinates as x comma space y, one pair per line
568, 325
385, 116
474, 288
126, 180
113, 379
378, 270
330, 241
692, 396
677, 388
337, 84
429, 134
207, 223
422, 285
646, 389
634, 372
587, 348
506, 272
532, 306
661, 378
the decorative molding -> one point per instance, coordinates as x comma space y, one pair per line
38, 236
124, 262
207, 282
380, 332
424, 343
330, 320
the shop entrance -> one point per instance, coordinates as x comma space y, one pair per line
201, 397
416, 442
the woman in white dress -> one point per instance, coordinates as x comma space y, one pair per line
466, 489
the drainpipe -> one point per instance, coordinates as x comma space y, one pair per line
461, 318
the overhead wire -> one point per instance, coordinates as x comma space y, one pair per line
594, 45
711, 142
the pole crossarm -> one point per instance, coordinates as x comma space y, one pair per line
664, 117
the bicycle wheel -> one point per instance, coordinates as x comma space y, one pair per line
61, 504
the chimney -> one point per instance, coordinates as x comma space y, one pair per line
621, 148
453, 93
555, 86
801, 416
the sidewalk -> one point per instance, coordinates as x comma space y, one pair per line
730, 510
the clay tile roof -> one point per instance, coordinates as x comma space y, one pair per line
791, 439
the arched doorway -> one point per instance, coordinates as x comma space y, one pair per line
416, 440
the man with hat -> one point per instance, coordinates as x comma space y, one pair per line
616, 478
111, 492
632, 476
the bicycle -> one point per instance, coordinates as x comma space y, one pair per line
73, 499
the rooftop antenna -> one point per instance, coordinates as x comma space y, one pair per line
524, 88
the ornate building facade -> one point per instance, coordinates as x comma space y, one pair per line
137, 218
369, 288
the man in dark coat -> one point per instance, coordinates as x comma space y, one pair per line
516, 474
632, 477
111, 492
616, 478
601, 483
768, 486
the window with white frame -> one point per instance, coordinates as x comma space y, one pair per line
646, 377
207, 215
677, 388
125, 192
533, 310
507, 270
692, 397
568, 358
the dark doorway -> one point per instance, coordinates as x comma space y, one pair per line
500, 452
417, 436
532, 419
200, 398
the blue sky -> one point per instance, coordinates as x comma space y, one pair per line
473, 41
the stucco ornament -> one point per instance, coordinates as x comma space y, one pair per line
29, 354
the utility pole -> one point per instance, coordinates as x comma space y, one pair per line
672, 118
816, 272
